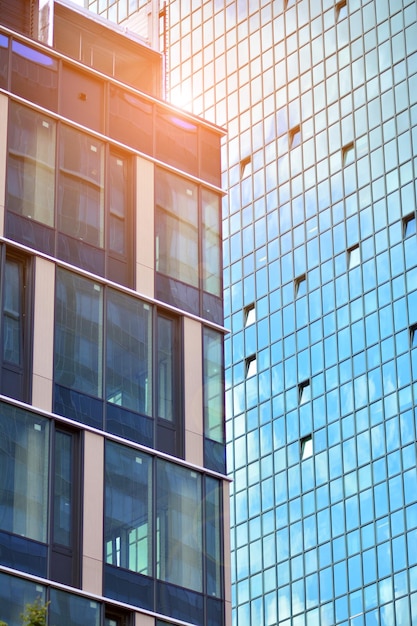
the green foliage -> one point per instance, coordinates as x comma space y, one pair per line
35, 613
2, 623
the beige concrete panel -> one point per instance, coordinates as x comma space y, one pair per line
144, 620
93, 495
43, 337
92, 575
4, 101
193, 391
93, 500
145, 210
227, 563
92, 548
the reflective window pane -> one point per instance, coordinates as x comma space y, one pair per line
128, 511
78, 333
129, 353
80, 187
179, 526
31, 164
213, 384
24, 461
176, 227
211, 243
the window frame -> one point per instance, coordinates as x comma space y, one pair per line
53, 232
85, 401
16, 378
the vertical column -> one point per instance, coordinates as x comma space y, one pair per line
193, 392
93, 511
144, 244
43, 335
226, 552
4, 102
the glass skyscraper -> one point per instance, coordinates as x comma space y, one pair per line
320, 103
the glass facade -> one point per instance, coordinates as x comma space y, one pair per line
112, 438
320, 103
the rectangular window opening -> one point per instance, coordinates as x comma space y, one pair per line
245, 166
341, 10
295, 136
306, 447
251, 366
353, 257
304, 391
348, 153
250, 314
300, 286
413, 335
409, 225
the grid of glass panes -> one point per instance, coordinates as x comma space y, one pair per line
332, 533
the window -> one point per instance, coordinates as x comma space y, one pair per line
66, 499
168, 397
300, 286
294, 137
188, 246
409, 225
211, 244
117, 617
15, 355
250, 314
213, 390
78, 345
31, 164
15, 594
306, 447
176, 225
128, 353
81, 186
162, 532
179, 533
348, 153
304, 392
67, 609
353, 257
176, 141
106, 372
34, 75
413, 335
128, 514
251, 366
35, 465
341, 10
245, 166
74, 205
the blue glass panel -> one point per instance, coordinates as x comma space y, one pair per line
23, 554
78, 406
180, 603
34, 75
215, 456
129, 587
81, 254
67, 609
178, 294
129, 424
15, 594
30, 233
